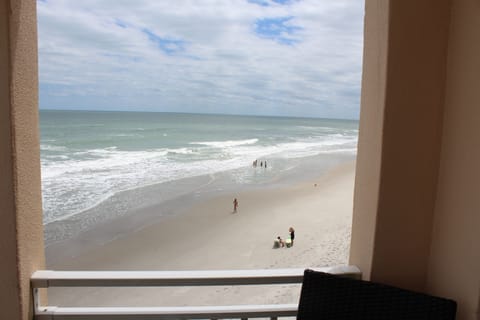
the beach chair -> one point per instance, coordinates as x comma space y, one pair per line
327, 296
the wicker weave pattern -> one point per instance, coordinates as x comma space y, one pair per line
326, 296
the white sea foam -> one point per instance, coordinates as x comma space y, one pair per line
48, 147
126, 135
181, 151
107, 159
228, 143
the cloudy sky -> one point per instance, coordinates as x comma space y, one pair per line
261, 57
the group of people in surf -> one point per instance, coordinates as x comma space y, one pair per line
262, 164
288, 242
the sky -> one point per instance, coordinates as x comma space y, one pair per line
260, 57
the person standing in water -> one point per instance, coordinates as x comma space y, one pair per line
235, 205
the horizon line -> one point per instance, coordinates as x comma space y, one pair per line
200, 113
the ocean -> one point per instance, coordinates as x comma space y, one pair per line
97, 166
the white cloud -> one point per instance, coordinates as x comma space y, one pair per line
110, 55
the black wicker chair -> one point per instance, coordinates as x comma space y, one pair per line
325, 296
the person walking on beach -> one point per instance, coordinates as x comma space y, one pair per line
292, 234
235, 205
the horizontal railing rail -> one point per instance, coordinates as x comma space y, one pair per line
48, 279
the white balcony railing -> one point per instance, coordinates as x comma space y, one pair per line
48, 279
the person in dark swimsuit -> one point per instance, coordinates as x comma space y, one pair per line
292, 234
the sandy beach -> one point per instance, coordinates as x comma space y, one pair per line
208, 235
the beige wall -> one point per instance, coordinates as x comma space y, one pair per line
417, 46
21, 230
455, 254
9, 293
421, 116
400, 126
370, 135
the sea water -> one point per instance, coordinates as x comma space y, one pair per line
100, 165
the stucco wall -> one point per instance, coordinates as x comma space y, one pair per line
21, 230
9, 292
454, 268
417, 48
399, 142
418, 176
370, 135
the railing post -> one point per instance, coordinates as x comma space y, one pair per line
36, 300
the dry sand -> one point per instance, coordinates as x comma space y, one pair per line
210, 236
